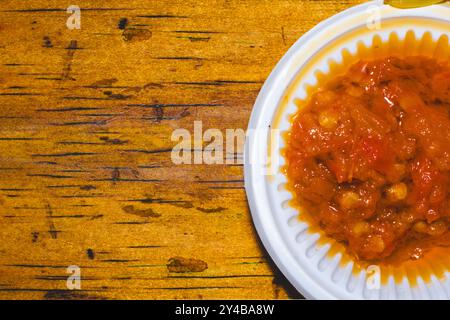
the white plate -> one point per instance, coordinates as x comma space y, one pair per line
295, 250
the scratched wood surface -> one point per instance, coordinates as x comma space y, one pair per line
86, 118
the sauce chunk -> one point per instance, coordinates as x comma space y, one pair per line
368, 156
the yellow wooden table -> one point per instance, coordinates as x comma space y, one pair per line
86, 117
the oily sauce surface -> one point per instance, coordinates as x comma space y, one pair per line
368, 157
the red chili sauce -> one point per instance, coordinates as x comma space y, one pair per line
368, 156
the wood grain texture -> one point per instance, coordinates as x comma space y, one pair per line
86, 118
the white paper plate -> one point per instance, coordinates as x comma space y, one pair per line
295, 250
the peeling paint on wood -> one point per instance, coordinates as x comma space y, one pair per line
141, 212
181, 265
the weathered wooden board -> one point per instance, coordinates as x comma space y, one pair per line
86, 118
